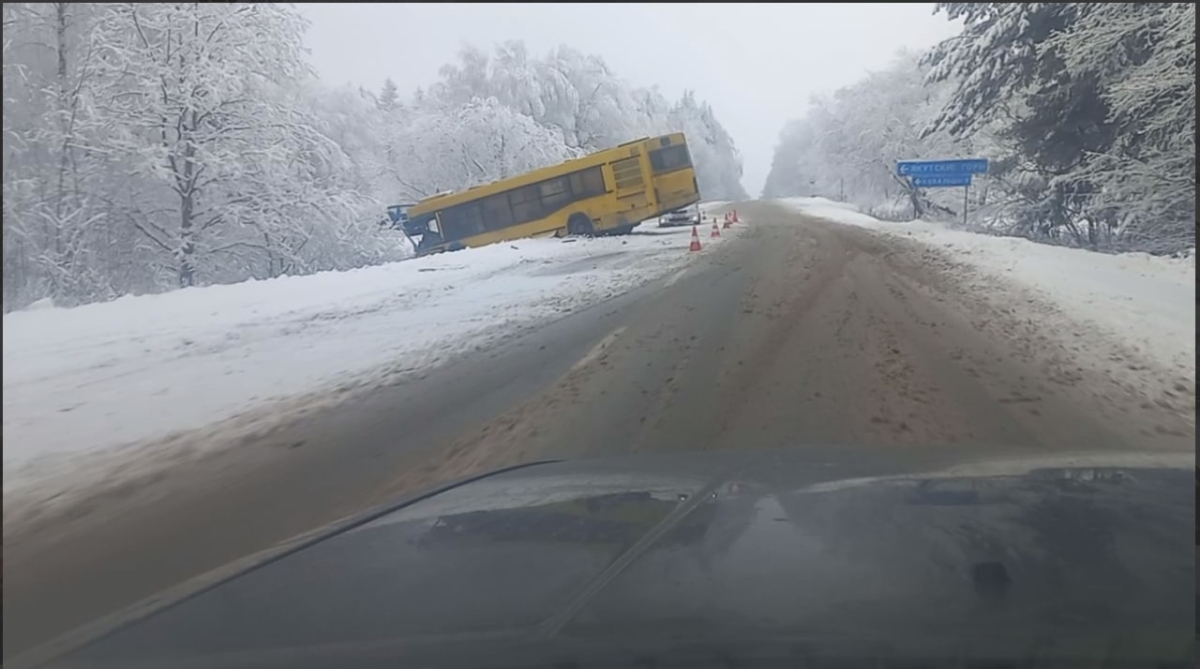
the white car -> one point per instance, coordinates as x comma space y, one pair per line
686, 216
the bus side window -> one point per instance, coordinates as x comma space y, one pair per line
526, 206
462, 221
496, 212
555, 193
474, 219
587, 183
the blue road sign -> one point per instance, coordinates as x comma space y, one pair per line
956, 166
940, 180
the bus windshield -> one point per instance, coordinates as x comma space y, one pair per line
670, 158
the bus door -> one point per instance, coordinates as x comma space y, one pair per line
629, 180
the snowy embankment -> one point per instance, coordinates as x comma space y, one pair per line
1144, 305
95, 390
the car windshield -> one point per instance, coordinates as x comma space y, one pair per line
271, 266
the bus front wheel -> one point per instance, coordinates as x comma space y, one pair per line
580, 225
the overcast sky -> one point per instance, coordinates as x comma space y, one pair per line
757, 64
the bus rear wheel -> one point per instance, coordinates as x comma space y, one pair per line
580, 225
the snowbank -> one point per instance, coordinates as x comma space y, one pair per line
1144, 303
96, 377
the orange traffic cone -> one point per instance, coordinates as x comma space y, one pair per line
735, 216
716, 231
695, 240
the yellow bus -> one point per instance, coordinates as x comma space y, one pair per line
607, 192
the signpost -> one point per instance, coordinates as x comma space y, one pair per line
908, 168
948, 173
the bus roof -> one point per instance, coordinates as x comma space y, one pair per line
450, 198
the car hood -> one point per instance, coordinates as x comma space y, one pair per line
734, 556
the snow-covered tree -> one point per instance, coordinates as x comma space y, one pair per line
593, 108
1098, 103
1005, 67
848, 143
477, 142
787, 177
152, 146
389, 96
576, 96
1143, 57
198, 93
1087, 112
57, 191
717, 161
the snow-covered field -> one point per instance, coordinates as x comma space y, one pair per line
1141, 303
93, 389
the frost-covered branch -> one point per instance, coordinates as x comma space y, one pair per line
1087, 111
150, 146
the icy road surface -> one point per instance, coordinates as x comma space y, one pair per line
104, 387
819, 330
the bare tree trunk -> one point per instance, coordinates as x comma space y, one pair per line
187, 185
187, 243
61, 17
187, 233
271, 271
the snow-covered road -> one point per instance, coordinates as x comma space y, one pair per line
799, 333
1132, 315
101, 391
97, 380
